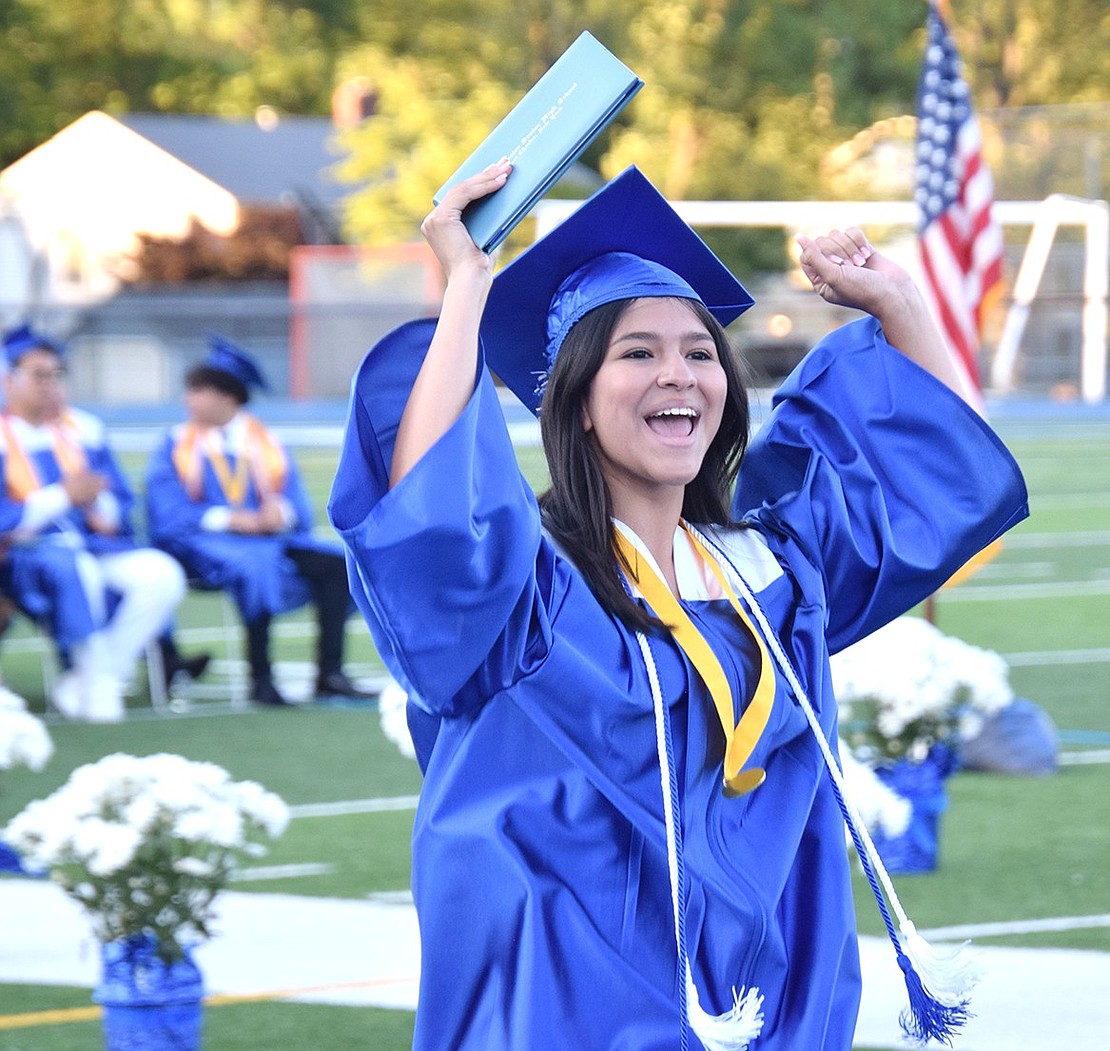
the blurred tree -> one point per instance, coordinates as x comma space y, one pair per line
1035, 52
743, 97
224, 57
441, 82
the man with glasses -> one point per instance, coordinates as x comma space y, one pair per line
68, 557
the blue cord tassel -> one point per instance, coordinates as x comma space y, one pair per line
933, 1015
927, 1018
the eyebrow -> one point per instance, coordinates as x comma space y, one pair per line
687, 337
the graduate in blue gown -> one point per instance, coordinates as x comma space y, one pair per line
224, 496
630, 833
68, 555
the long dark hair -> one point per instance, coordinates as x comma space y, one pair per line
577, 509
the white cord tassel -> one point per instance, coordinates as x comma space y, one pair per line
731, 1031
948, 976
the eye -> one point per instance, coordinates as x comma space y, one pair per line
702, 354
637, 354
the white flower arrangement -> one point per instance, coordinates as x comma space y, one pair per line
878, 805
24, 740
146, 843
392, 703
907, 687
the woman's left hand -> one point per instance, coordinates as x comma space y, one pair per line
845, 269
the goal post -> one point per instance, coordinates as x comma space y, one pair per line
1044, 217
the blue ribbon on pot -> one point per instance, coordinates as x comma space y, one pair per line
150, 1003
922, 783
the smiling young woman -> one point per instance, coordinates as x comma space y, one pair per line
630, 834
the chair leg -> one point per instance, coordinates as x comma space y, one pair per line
238, 673
156, 676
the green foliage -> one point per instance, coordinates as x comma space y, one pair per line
421, 131
743, 98
227, 57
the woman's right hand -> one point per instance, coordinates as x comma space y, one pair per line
443, 227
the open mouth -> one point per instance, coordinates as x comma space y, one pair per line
673, 423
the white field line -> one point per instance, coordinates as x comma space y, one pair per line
1069, 502
1009, 592
1091, 538
292, 871
1032, 658
1010, 572
994, 930
354, 806
1090, 757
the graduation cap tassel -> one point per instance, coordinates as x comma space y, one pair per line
938, 984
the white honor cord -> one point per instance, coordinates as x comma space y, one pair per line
665, 780
737, 1027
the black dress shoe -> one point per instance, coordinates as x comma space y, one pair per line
190, 667
336, 684
267, 693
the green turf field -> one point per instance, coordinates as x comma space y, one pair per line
1012, 849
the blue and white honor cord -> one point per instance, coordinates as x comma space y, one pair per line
938, 984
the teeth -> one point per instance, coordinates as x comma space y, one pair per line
692, 413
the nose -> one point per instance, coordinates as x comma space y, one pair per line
675, 372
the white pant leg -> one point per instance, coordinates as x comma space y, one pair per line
92, 690
90, 657
150, 584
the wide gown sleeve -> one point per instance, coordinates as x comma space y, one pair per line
444, 566
883, 479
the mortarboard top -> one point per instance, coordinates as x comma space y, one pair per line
225, 356
18, 341
522, 329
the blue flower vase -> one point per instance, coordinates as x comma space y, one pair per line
923, 784
149, 1004
10, 861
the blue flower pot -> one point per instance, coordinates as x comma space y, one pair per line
149, 1004
10, 861
922, 783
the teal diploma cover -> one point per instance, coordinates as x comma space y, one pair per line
543, 134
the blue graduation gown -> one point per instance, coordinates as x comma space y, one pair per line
539, 866
40, 575
254, 570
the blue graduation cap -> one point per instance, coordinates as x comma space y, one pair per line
225, 356
18, 341
625, 242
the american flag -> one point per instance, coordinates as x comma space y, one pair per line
961, 245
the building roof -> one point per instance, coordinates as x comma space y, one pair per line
259, 161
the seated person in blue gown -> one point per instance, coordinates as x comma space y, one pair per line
630, 834
71, 562
225, 498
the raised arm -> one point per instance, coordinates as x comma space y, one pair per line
446, 379
845, 269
